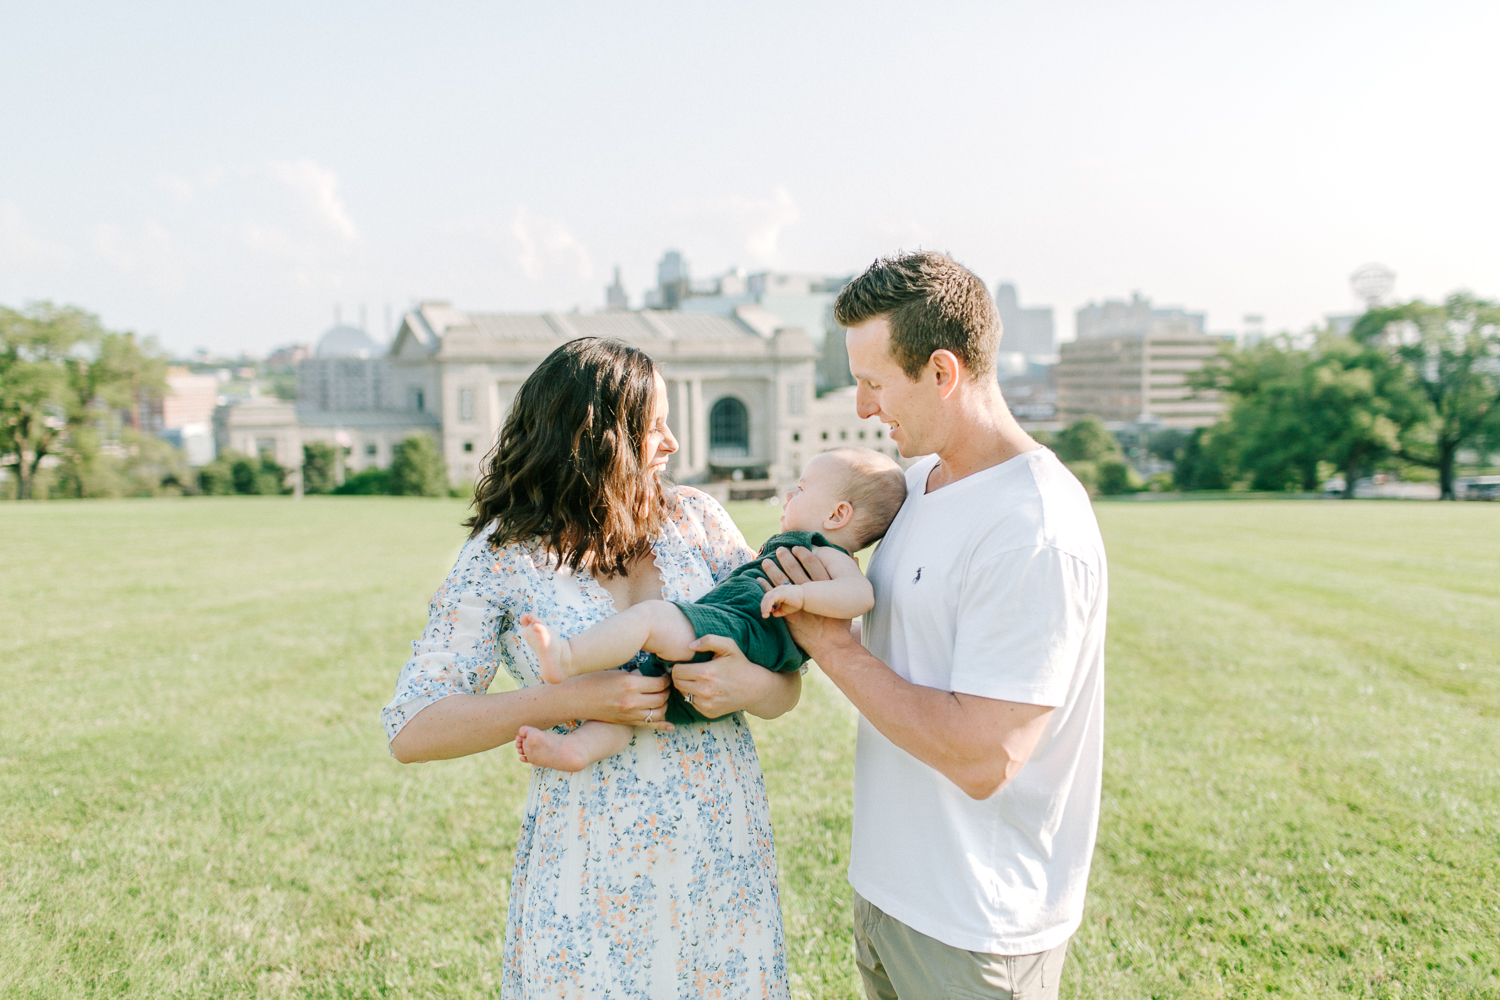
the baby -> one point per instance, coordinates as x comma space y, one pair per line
845, 500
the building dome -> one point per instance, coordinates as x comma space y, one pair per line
347, 342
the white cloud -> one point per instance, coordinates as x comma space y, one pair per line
756, 222
148, 254
21, 251
318, 189
546, 246
184, 189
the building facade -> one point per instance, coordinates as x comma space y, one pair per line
765, 298
1025, 331
1134, 379
1138, 317
742, 390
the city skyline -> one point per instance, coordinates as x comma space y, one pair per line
223, 180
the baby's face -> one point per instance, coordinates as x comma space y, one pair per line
815, 497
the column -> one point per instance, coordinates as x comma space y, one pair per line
699, 425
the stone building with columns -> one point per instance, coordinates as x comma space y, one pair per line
742, 392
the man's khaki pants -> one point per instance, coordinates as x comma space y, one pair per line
898, 963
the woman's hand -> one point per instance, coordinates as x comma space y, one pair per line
731, 683
620, 696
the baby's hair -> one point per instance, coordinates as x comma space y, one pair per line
875, 487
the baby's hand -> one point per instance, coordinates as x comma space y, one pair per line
781, 601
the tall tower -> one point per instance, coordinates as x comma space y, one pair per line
672, 279
615, 296
1371, 283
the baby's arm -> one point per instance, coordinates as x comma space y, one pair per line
846, 595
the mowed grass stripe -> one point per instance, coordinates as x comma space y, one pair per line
1288, 807
1301, 790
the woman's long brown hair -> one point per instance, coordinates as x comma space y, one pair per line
567, 469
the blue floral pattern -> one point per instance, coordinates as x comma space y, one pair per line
652, 873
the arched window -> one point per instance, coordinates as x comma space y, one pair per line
729, 429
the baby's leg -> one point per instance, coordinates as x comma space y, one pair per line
658, 627
574, 751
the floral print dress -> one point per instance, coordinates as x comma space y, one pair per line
652, 873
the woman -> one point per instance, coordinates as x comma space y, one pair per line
651, 873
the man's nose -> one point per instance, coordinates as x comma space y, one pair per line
865, 404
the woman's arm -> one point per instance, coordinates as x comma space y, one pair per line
731, 683
463, 724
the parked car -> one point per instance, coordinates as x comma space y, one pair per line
1480, 488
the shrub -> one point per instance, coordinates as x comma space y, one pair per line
1206, 461
366, 482
319, 467
1117, 478
418, 469
1088, 475
1085, 440
258, 478
216, 479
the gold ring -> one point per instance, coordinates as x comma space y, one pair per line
688, 698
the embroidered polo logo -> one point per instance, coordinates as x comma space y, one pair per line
918, 577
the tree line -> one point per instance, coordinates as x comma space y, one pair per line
75, 392
74, 405
1412, 384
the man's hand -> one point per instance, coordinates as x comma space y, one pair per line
793, 567
782, 601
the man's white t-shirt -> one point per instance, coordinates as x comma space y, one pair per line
993, 586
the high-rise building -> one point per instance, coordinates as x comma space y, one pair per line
1028, 331
615, 296
1115, 318
784, 300
1130, 364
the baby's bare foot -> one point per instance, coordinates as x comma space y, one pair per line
544, 748
549, 649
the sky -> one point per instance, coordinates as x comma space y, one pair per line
226, 176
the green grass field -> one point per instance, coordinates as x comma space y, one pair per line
1302, 791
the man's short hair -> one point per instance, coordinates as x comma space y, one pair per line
934, 303
875, 487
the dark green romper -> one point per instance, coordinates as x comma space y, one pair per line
733, 609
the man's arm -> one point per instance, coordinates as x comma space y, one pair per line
977, 743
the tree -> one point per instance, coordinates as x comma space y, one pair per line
1085, 440
1359, 406
257, 477
1292, 408
216, 479
1205, 461
365, 483
38, 350
319, 467
417, 469
125, 375
1266, 432
62, 377
1449, 355
1093, 455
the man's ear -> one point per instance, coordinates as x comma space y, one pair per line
947, 370
843, 513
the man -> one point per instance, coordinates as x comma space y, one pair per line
980, 681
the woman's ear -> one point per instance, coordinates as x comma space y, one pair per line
843, 513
